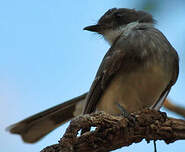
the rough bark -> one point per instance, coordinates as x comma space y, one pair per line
113, 132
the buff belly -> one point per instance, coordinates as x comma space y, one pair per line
134, 90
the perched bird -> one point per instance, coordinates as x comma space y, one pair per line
137, 72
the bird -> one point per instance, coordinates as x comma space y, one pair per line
137, 72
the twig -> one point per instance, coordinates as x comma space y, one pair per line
174, 108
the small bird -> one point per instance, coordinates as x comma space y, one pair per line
137, 72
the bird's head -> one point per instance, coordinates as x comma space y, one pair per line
114, 21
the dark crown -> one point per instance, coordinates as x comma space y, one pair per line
115, 17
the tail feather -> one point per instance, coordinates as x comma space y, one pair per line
37, 126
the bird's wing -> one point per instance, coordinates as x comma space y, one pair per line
158, 104
110, 65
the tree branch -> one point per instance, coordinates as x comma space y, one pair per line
174, 108
113, 132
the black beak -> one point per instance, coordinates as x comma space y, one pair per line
93, 28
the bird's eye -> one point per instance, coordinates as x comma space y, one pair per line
118, 15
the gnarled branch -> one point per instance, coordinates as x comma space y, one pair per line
113, 132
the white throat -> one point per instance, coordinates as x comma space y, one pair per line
111, 35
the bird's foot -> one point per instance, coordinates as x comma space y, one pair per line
126, 114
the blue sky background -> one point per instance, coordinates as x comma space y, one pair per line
46, 58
